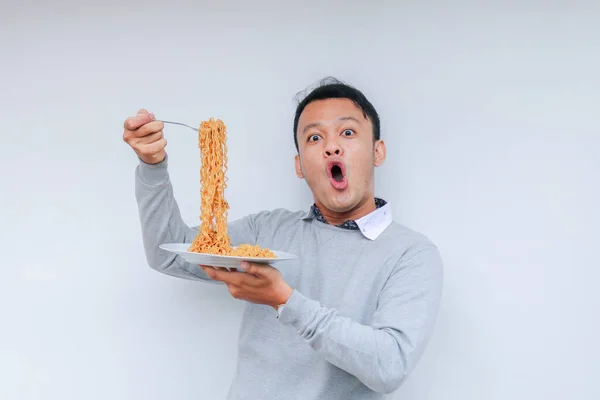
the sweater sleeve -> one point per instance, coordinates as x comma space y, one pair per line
383, 353
161, 222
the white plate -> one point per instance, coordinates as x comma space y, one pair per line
215, 260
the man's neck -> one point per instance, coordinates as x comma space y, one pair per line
337, 218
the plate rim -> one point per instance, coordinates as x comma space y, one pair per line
288, 256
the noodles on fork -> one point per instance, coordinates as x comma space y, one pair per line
212, 237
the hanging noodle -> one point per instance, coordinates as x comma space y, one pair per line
212, 237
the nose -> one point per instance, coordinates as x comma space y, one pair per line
333, 148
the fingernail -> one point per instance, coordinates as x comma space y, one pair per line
152, 117
245, 265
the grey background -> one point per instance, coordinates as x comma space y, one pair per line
490, 114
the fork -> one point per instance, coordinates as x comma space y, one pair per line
179, 123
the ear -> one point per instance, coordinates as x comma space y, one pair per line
379, 153
299, 172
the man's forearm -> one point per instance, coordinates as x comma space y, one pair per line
161, 221
383, 353
375, 356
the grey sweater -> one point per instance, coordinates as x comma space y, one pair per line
358, 319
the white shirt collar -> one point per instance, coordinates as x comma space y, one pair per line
372, 224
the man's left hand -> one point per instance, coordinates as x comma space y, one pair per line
261, 283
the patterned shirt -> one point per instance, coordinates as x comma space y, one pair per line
350, 224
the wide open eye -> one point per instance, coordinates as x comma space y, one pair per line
348, 132
313, 138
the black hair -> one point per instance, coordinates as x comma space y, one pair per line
332, 88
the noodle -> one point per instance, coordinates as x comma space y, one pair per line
212, 237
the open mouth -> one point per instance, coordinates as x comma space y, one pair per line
337, 175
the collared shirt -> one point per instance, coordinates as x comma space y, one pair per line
371, 225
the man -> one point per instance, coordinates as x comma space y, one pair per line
350, 317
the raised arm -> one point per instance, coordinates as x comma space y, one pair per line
161, 222
158, 210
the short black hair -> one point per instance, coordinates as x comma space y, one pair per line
332, 88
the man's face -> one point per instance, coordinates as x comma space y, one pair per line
337, 155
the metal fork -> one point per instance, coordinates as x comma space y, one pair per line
179, 123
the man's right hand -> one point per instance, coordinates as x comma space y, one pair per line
144, 134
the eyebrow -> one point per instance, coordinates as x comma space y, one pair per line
317, 124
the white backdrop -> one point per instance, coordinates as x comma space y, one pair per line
490, 114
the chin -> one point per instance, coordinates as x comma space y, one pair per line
338, 208
340, 203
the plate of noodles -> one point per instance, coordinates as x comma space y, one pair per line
212, 246
227, 260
